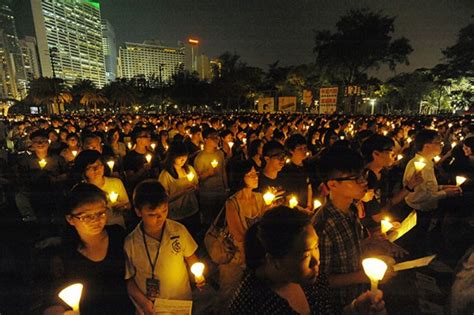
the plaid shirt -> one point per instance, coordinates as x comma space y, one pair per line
340, 235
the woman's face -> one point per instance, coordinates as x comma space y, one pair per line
89, 218
302, 262
94, 171
467, 150
251, 179
180, 160
72, 142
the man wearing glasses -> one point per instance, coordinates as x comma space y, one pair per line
275, 157
338, 227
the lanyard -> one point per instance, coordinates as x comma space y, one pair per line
153, 264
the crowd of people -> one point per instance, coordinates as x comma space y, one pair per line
126, 204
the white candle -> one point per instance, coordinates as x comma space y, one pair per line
202, 147
288, 161
316, 204
190, 176
437, 159
231, 144
113, 196
375, 269
153, 146
386, 225
409, 140
72, 296
42, 163
214, 163
293, 202
198, 269
453, 144
111, 164
419, 165
399, 157
460, 180
268, 198
148, 158
129, 145
244, 140
74, 153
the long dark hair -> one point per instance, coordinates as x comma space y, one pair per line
176, 149
274, 234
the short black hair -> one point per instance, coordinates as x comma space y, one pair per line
149, 193
376, 142
208, 131
337, 161
84, 159
83, 193
295, 140
423, 137
271, 147
39, 134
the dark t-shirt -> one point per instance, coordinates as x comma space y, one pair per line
104, 289
375, 205
295, 181
264, 183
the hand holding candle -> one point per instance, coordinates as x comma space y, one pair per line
190, 176
72, 296
214, 163
74, 153
437, 159
316, 204
148, 158
111, 164
419, 165
42, 163
231, 144
268, 197
198, 269
153, 146
386, 225
293, 202
460, 180
375, 269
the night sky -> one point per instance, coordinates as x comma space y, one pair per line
263, 31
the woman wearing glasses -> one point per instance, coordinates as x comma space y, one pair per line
92, 254
90, 168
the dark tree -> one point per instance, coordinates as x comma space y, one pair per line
363, 41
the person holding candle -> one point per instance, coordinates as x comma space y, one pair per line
425, 197
90, 167
72, 141
283, 275
92, 254
274, 156
180, 181
159, 251
119, 148
341, 239
212, 180
135, 163
193, 143
255, 152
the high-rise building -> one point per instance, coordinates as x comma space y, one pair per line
12, 69
110, 50
203, 67
191, 53
216, 68
30, 57
69, 36
150, 60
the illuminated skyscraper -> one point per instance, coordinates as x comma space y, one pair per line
69, 35
110, 50
12, 70
203, 67
30, 57
150, 59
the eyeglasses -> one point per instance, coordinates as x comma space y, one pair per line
279, 156
95, 167
359, 179
40, 141
90, 217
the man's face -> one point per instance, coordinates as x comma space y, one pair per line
93, 144
212, 140
153, 218
300, 151
144, 139
302, 262
384, 158
275, 160
353, 186
39, 144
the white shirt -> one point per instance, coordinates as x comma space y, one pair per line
426, 195
171, 269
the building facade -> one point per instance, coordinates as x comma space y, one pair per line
69, 37
150, 60
30, 57
12, 69
203, 67
109, 45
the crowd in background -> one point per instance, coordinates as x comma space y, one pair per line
123, 203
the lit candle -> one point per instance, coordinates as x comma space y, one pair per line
202, 147
386, 225
288, 161
409, 140
437, 159
129, 145
111, 164
316, 204
268, 198
307, 153
385, 132
453, 144
198, 269
231, 144
419, 165
450, 125
375, 269
72, 296
461, 138
342, 137
293, 202
166, 147
399, 157
190, 176
148, 158
460, 180
42, 163
74, 153
113, 196
244, 140
153, 146
214, 163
